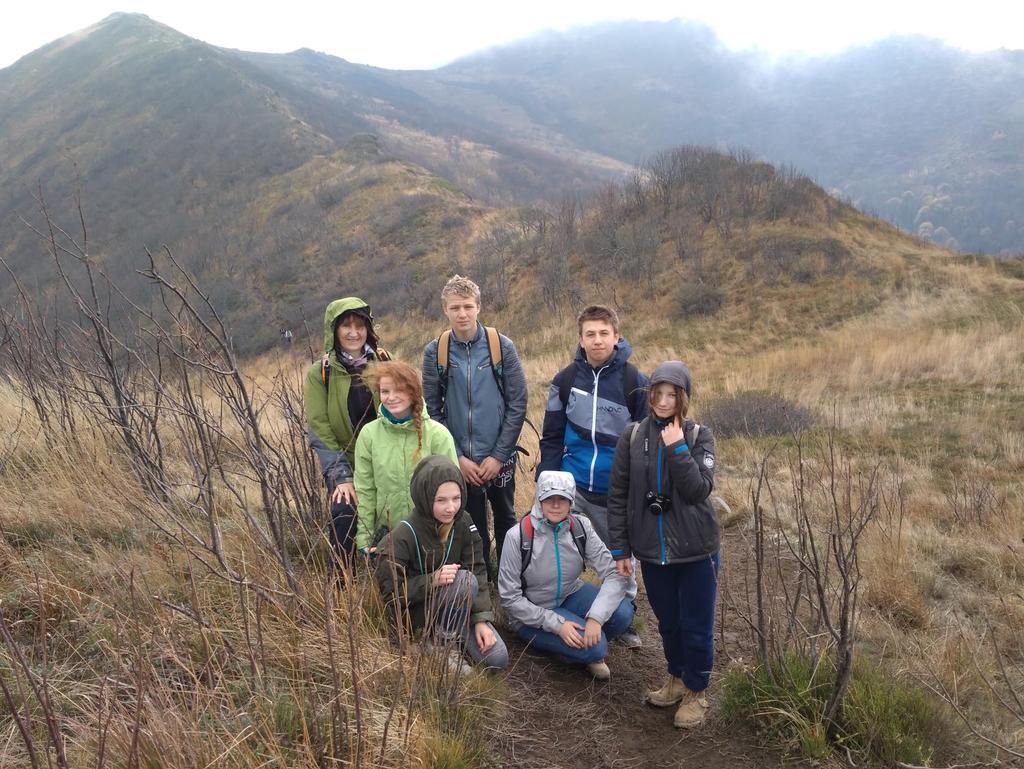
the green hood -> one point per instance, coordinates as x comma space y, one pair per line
335, 310
430, 473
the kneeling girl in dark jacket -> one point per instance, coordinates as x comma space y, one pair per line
660, 512
432, 571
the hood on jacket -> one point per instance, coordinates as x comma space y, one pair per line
332, 316
551, 483
623, 350
429, 474
673, 372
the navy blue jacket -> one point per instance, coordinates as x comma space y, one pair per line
580, 435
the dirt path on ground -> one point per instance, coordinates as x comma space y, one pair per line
557, 717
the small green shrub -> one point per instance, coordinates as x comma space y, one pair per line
884, 721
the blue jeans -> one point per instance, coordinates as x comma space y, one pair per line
683, 598
575, 608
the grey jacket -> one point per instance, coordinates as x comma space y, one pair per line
689, 530
482, 422
553, 572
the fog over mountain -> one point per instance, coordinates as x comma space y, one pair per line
928, 136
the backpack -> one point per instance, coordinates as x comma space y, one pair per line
579, 538
565, 378
493, 347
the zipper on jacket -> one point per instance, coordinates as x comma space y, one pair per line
593, 426
661, 518
469, 398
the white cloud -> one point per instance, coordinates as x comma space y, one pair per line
420, 35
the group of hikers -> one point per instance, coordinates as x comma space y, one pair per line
411, 460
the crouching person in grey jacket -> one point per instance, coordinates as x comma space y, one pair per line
432, 572
539, 583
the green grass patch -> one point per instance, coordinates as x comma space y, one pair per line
884, 720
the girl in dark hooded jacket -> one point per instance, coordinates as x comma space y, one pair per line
431, 568
660, 512
338, 405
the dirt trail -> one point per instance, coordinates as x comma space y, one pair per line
556, 717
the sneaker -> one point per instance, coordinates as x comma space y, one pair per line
630, 639
599, 670
692, 709
668, 695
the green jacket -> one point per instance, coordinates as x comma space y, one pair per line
331, 433
384, 465
410, 556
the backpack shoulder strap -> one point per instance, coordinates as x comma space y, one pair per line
525, 547
564, 380
443, 342
493, 345
419, 558
494, 349
383, 355
693, 440
630, 382
632, 433
325, 369
579, 535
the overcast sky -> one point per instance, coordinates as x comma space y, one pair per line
428, 34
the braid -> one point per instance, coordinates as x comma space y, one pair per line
417, 422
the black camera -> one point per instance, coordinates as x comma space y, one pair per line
657, 504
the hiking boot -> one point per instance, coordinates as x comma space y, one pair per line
692, 709
630, 639
599, 670
669, 694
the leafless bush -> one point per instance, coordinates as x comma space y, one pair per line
756, 412
972, 500
493, 261
697, 299
803, 583
252, 654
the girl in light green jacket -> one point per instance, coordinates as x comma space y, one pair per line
389, 448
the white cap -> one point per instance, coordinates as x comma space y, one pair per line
555, 483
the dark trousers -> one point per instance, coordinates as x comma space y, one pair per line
503, 506
683, 598
342, 531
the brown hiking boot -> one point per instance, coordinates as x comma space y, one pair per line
599, 670
667, 695
692, 709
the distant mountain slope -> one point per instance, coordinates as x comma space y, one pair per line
928, 136
269, 194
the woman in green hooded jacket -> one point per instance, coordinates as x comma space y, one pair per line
338, 404
432, 572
